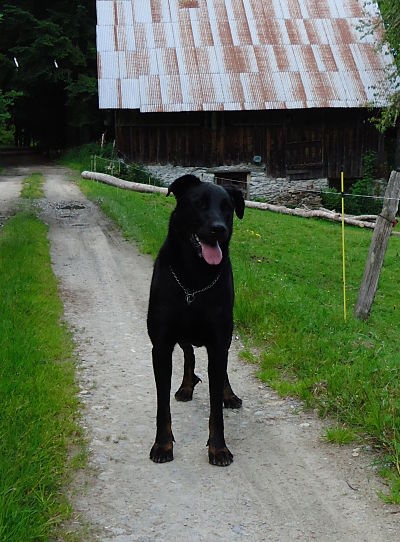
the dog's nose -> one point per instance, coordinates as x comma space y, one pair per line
218, 229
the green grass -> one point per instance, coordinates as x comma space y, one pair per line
340, 435
151, 214
38, 405
289, 311
32, 187
80, 158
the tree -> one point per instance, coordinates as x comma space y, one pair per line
390, 11
48, 55
6, 102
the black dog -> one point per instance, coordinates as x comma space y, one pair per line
191, 303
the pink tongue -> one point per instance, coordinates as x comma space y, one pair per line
212, 255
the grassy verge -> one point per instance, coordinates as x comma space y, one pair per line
32, 187
289, 311
38, 404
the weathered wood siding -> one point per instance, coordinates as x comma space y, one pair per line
299, 143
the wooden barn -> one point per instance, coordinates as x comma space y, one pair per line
284, 83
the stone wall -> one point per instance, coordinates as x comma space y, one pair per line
279, 191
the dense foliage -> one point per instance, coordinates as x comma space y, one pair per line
365, 196
48, 56
390, 10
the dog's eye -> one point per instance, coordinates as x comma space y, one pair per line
226, 207
201, 203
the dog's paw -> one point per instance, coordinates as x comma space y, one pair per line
184, 394
162, 454
233, 401
220, 457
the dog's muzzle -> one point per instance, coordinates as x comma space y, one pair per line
211, 253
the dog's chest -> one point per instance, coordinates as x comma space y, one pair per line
201, 321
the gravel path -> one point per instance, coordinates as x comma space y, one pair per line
285, 483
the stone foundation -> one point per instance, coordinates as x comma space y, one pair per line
278, 191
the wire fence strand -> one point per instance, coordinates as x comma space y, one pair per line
298, 190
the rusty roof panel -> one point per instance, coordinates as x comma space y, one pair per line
167, 61
141, 11
316, 31
108, 62
305, 59
105, 13
106, 38
194, 55
202, 32
296, 31
129, 93
253, 91
318, 89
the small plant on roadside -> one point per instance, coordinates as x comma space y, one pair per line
247, 355
340, 435
393, 480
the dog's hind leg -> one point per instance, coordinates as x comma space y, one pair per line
231, 400
185, 391
162, 450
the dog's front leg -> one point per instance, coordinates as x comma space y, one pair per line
218, 453
162, 450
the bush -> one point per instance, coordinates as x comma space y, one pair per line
331, 199
81, 157
355, 203
107, 161
139, 174
359, 205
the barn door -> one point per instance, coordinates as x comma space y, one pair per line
304, 152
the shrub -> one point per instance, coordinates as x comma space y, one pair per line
331, 199
363, 195
108, 161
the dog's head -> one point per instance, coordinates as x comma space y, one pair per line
204, 215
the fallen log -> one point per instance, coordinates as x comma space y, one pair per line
366, 218
308, 213
120, 183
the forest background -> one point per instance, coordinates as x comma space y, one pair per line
48, 73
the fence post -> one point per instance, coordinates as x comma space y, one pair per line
383, 228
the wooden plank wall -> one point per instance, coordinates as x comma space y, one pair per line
299, 143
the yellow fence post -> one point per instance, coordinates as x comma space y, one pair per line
343, 249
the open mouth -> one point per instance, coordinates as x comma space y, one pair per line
211, 253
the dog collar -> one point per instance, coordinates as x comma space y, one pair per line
190, 294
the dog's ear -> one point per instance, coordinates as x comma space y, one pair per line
238, 201
180, 185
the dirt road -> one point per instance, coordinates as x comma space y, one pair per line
285, 483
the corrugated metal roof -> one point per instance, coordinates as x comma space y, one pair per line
195, 55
